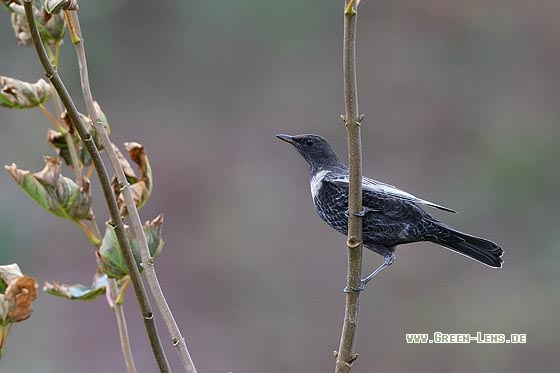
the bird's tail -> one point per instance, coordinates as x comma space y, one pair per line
477, 248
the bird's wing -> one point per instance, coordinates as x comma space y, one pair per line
375, 187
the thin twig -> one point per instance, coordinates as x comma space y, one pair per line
116, 306
147, 263
121, 322
77, 166
345, 356
93, 238
52, 119
116, 219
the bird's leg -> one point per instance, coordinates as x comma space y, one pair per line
387, 261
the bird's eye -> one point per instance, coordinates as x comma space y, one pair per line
309, 142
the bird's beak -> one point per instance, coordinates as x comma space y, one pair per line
287, 138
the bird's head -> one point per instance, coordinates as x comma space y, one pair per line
315, 149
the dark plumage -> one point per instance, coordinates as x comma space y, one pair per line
391, 216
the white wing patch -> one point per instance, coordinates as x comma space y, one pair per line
376, 187
316, 182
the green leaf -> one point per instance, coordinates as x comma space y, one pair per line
109, 256
153, 232
79, 291
55, 193
18, 94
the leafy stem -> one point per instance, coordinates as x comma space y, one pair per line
147, 262
116, 220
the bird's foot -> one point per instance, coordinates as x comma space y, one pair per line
360, 214
360, 287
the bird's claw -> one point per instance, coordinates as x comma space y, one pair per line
360, 214
360, 287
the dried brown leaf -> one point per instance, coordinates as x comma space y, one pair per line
20, 295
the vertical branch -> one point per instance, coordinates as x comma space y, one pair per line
345, 355
121, 323
104, 180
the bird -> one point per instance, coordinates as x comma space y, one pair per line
390, 216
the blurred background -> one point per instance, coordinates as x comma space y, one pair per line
461, 104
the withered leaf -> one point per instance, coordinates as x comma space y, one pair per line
54, 192
78, 291
18, 293
51, 26
58, 141
18, 94
141, 187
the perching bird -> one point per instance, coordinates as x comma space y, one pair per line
390, 216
